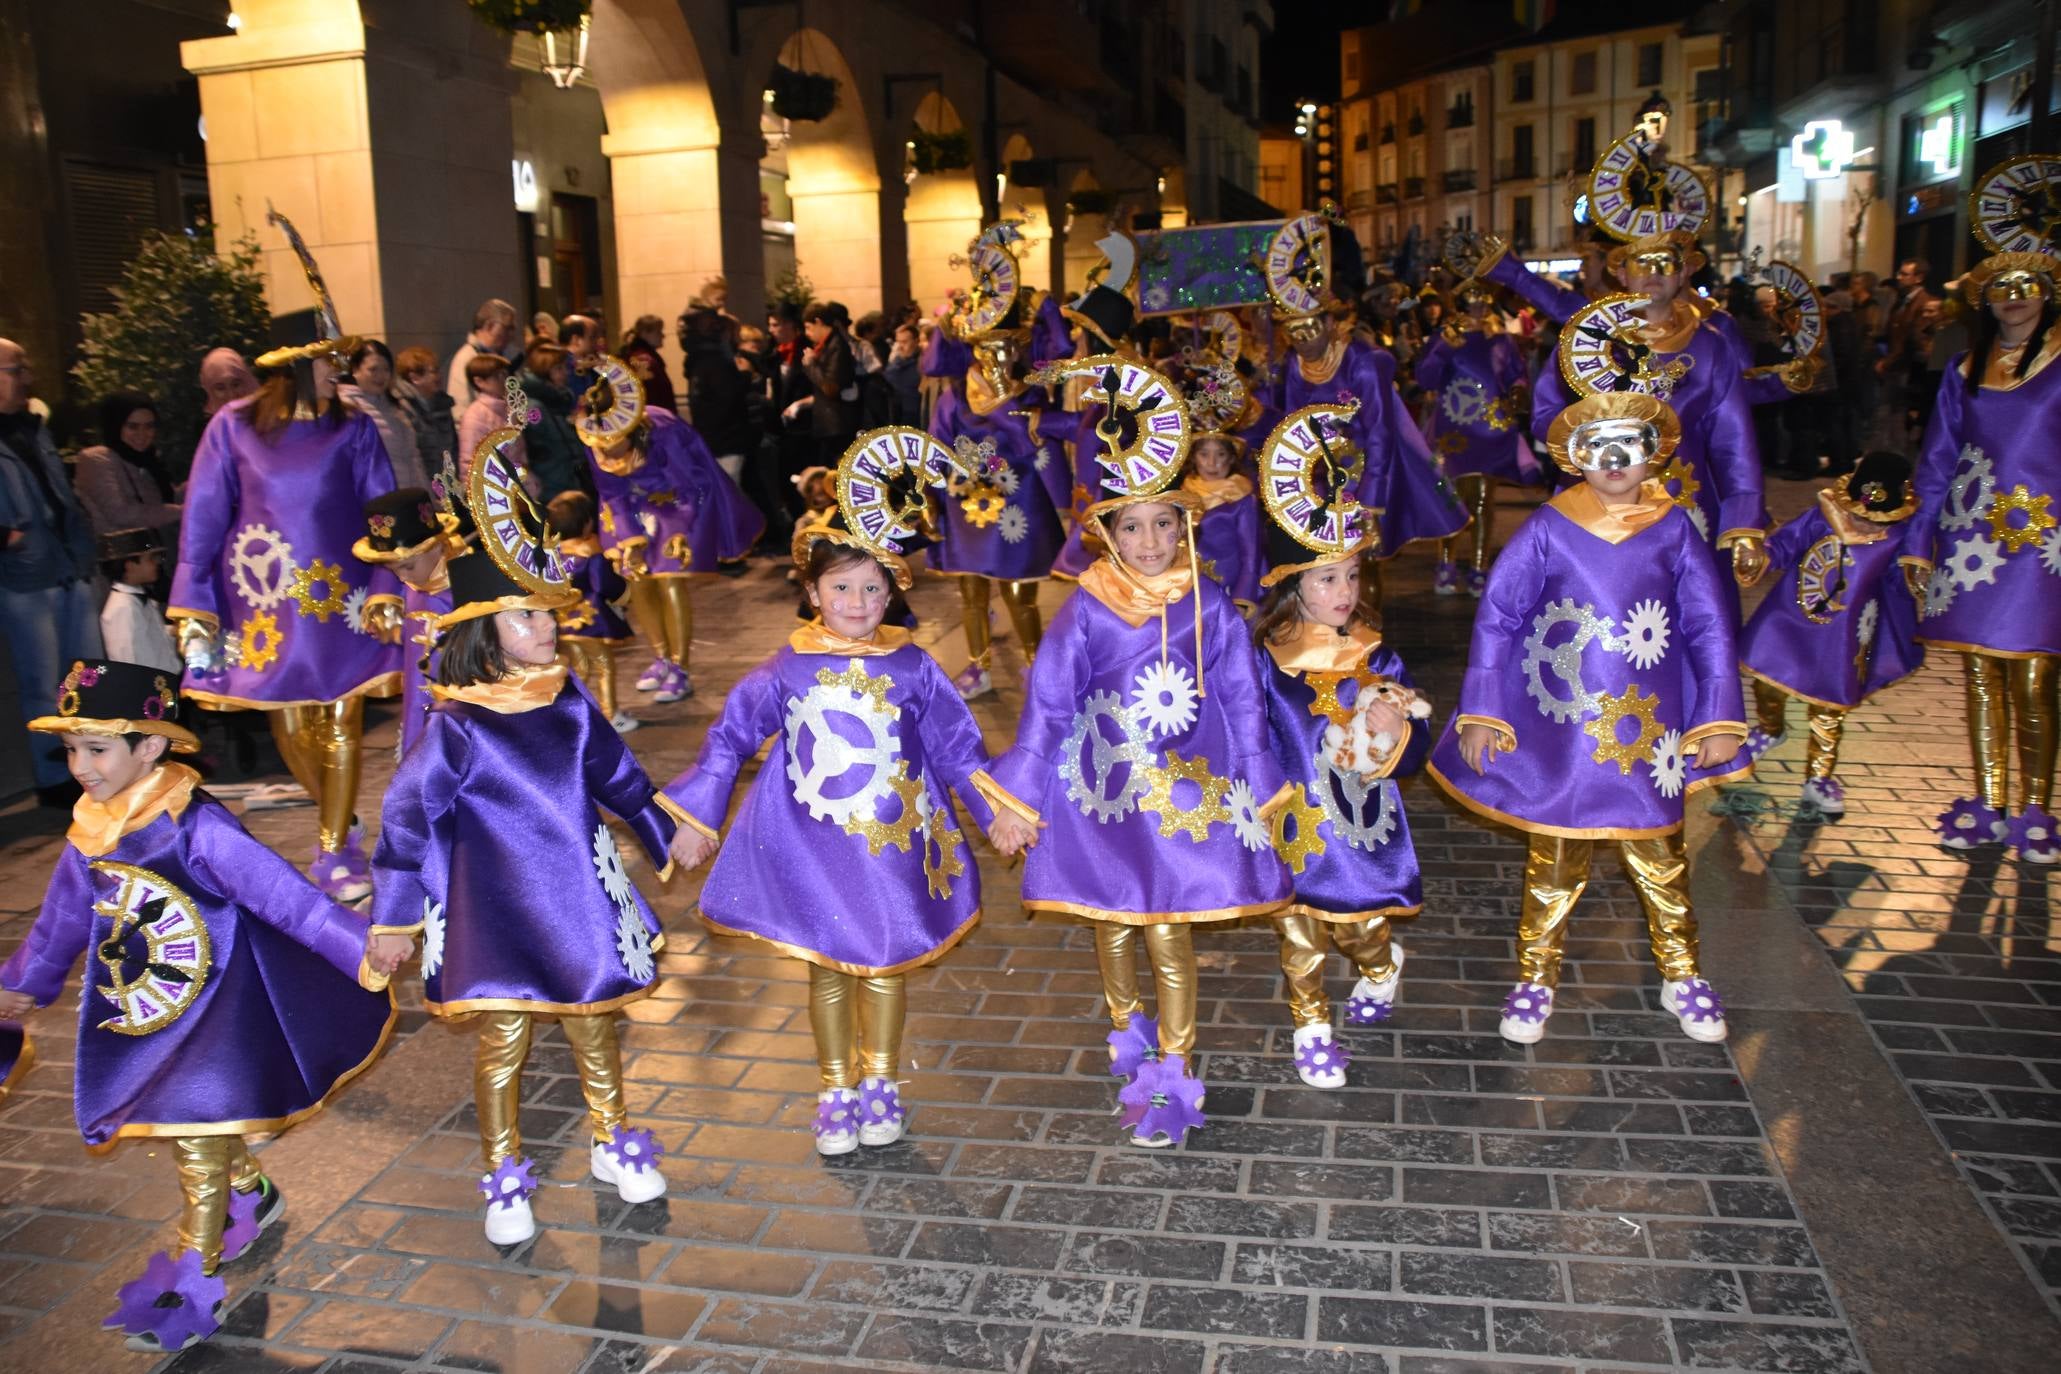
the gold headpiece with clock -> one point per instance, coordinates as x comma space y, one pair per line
1603, 350
1309, 473
516, 565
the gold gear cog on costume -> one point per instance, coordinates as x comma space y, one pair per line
262, 639
983, 505
878, 834
578, 617
1326, 686
2038, 519
1194, 820
874, 688
1307, 816
1603, 729
1499, 416
1452, 441
677, 549
334, 589
1683, 494
941, 840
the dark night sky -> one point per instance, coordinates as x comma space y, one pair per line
1301, 60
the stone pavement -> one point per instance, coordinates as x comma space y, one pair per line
1616, 1197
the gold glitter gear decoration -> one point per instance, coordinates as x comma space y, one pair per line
1603, 729
1194, 820
262, 640
679, 550
878, 834
1306, 815
983, 505
578, 617
1451, 442
2038, 518
942, 840
1499, 415
1326, 685
873, 688
334, 589
1685, 494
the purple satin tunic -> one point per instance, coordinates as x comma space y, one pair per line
1366, 865
1021, 542
1601, 658
866, 755
601, 588
1228, 543
1990, 469
419, 657
265, 551
1473, 426
278, 1020
492, 837
679, 501
1839, 625
1128, 838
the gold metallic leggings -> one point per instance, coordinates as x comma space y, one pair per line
504, 1043
664, 615
1171, 948
2003, 692
1556, 871
1827, 723
1477, 492
320, 746
209, 1166
858, 1023
1303, 946
594, 661
1020, 599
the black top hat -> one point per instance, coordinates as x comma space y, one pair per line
401, 524
102, 697
119, 544
1105, 313
1879, 487
480, 587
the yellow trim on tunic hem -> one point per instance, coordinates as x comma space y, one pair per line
270, 1125
1983, 649
1786, 689
1570, 832
1000, 798
680, 817
477, 1004
1335, 918
1506, 737
1154, 918
1715, 727
385, 685
811, 956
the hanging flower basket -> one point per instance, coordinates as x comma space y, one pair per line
807, 97
529, 16
1091, 202
950, 151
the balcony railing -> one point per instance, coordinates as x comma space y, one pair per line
1357, 201
1416, 125
1460, 117
1413, 188
1459, 179
1360, 141
1388, 133
1384, 194
1517, 169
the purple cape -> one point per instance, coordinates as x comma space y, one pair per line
1839, 625
1022, 541
492, 837
846, 752
1994, 591
1227, 541
278, 1022
1602, 659
1470, 384
679, 502
260, 517
1366, 866
1102, 718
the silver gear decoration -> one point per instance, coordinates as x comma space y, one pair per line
354, 609
1974, 562
832, 756
2050, 551
1972, 491
1007, 479
633, 944
1245, 817
1698, 519
1343, 794
1464, 400
1564, 658
1864, 627
1090, 795
274, 561
1939, 590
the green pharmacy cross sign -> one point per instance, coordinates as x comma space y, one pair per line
1824, 149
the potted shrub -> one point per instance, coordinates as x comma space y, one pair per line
804, 97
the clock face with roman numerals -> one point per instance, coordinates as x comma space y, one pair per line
883, 483
511, 527
1601, 350
2016, 207
994, 287
1631, 198
155, 950
1309, 470
1148, 422
1798, 311
1297, 265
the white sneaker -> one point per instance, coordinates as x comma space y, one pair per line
631, 1185
652, 678
973, 682
511, 1222
624, 722
1698, 1007
1372, 1002
882, 1117
837, 1114
1525, 1009
1826, 794
1318, 1060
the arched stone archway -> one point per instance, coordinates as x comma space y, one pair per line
1027, 203
943, 212
833, 183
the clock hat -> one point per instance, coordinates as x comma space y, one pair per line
883, 481
310, 333
516, 564
613, 406
1309, 472
102, 697
2015, 210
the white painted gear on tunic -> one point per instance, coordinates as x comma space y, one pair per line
608, 866
1939, 590
1670, 769
1864, 626
1646, 634
1974, 562
261, 575
1164, 699
833, 756
1245, 818
1091, 795
354, 609
633, 944
1014, 525
432, 937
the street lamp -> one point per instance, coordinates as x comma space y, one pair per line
565, 52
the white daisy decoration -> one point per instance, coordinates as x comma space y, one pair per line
1646, 634
1044, 458
1670, 770
1014, 525
608, 866
1163, 698
1245, 817
432, 937
1007, 479
633, 943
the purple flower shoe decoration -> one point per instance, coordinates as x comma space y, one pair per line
1969, 822
240, 1231
1525, 1009
172, 1306
882, 1116
344, 875
1698, 1007
1446, 580
1827, 795
1135, 1044
1367, 1011
1319, 1059
1477, 583
1371, 1003
837, 1121
1162, 1104
512, 1181
633, 1150
1758, 742
629, 1159
2034, 834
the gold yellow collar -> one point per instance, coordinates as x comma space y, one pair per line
1322, 370
1848, 527
981, 394
1673, 334
1134, 597
817, 638
1217, 491
1613, 524
97, 827
1314, 648
524, 689
1997, 375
